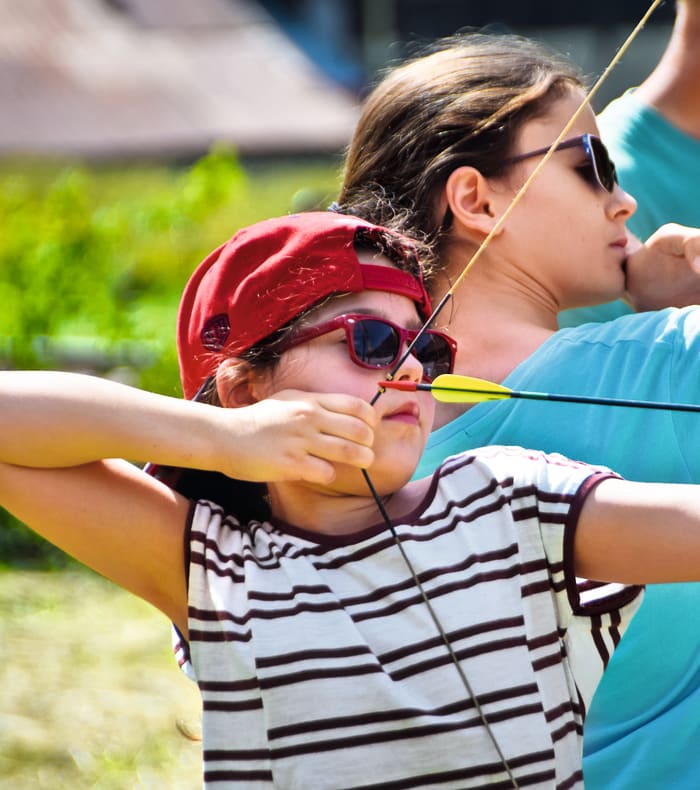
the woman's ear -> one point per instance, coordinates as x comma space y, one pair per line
469, 196
236, 383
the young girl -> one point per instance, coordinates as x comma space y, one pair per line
441, 148
453, 643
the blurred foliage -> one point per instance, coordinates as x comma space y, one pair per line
93, 261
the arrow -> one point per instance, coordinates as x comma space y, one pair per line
451, 388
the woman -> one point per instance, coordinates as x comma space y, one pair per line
441, 148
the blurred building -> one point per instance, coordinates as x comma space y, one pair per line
166, 78
352, 39
160, 78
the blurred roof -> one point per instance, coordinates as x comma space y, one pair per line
165, 78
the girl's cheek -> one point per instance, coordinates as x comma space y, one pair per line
292, 371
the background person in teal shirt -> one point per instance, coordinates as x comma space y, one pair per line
442, 146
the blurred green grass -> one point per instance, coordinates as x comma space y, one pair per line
96, 258
92, 696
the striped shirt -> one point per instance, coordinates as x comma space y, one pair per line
319, 664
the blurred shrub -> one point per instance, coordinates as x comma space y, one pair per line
93, 261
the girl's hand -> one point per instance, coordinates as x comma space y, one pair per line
296, 436
62, 420
665, 270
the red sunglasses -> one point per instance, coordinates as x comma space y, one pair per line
376, 343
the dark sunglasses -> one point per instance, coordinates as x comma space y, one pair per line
602, 169
376, 343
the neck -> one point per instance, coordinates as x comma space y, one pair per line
500, 319
500, 314
334, 514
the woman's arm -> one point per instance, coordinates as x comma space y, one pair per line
672, 87
639, 533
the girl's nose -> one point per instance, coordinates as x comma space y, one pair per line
411, 369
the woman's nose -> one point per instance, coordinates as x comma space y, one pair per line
623, 203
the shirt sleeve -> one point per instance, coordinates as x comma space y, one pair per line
204, 523
593, 615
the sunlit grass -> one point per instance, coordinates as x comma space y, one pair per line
91, 694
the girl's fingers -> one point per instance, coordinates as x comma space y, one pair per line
350, 429
348, 406
315, 470
344, 416
336, 429
340, 451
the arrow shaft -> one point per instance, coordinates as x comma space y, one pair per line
637, 404
547, 396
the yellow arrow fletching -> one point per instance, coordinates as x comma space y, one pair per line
451, 388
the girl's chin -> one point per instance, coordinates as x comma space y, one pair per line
389, 483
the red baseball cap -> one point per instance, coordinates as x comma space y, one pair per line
270, 272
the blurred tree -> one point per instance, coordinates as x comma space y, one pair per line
92, 264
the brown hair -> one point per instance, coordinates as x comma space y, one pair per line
461, 104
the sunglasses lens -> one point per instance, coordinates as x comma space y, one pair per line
435, 354
605, 169
375, 343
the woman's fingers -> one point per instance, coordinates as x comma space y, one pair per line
665, 270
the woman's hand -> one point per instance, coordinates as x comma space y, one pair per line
665, 270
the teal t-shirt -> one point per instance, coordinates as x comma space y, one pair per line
643, 728
656, 163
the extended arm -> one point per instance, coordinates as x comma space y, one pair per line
59, 428
672, 88
639, 533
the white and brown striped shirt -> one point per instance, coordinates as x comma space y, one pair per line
320, 667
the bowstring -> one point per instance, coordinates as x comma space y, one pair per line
429, 322
441, 630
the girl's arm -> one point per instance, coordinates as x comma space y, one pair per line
59, 430
113, 518
638, 533
52, 419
